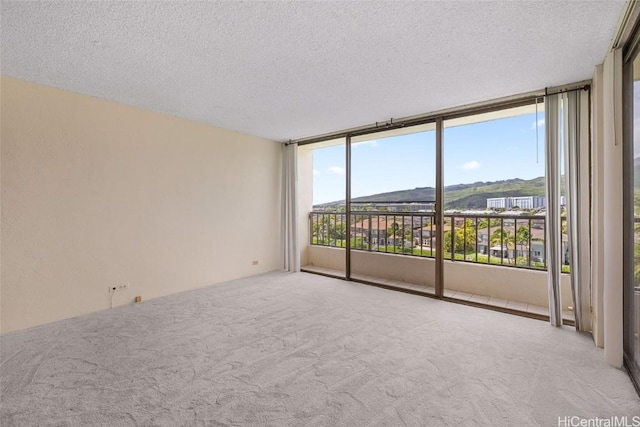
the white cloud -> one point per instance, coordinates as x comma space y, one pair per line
316, 172
538, 123
336, 170
473, 164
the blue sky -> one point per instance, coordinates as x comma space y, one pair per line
487, 151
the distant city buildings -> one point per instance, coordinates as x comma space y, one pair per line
522, 202
496, 203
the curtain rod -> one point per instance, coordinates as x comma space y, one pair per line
574, 89
451, 113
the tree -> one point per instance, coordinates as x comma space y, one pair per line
329, 228
395, 232
320, 230
461, 237
337, 229
503, 238
522, 239
484, 223
466, 237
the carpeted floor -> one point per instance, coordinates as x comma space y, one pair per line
298, 349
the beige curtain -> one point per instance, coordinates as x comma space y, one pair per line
553, 229
290, 207
576, 148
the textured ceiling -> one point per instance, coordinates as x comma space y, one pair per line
284, 70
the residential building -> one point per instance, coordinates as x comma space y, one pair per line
520, 202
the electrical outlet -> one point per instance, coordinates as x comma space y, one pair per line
116, 288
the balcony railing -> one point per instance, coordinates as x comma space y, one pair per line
507, 240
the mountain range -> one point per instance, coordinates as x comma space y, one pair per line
460, 196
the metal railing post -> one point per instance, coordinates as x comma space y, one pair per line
529, 246
502, 242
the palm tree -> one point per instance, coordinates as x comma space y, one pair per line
503, 238
394, 232
522, 239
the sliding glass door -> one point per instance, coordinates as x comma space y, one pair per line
392, 208
453, 207
494, 209
632, 208
327, 221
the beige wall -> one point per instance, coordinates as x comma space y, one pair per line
409, 269
96, 194
515, 284
326, 257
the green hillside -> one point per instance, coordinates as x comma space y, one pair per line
462, 196
474, 196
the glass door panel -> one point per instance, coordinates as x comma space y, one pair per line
632, 284
494, 209
323, 167
392, 208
